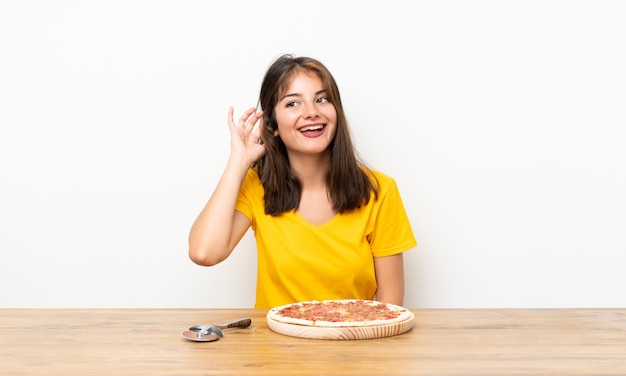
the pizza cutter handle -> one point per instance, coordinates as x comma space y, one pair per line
239, 323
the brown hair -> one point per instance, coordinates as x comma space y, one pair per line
349, 183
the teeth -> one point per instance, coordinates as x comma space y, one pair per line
311, 128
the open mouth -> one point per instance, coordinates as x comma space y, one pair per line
312, 128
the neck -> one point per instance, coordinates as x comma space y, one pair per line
310, 169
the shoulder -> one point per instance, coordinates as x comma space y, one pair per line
252, 176
383, 181
251, 182
380, 175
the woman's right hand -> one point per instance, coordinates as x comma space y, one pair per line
245, 136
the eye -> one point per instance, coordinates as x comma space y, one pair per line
291, 104
322, 100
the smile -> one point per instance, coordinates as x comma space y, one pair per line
315, 127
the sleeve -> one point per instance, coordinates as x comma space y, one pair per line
392, 232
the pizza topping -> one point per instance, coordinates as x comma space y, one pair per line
340, 311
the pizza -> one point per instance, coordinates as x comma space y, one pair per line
339, 313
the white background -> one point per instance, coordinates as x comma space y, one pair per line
502, 121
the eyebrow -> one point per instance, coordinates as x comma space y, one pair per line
299, 95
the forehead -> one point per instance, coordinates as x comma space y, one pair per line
302, 81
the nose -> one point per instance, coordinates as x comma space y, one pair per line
310, 111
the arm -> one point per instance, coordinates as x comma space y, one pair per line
219, 228
390, 279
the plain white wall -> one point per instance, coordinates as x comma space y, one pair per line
502, 121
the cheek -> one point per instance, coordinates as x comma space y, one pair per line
332, 117
331, 114
334, 132
285, 121
281, 126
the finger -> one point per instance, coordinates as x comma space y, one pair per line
231, 112
257, 126
243, 120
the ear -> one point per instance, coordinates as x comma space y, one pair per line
276, 133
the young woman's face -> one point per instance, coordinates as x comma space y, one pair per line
307, 121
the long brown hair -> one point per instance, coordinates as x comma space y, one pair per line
349, 183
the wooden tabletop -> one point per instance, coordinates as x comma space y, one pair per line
442, 342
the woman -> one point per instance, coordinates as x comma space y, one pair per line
326, 227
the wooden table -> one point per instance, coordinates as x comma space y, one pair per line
443, 342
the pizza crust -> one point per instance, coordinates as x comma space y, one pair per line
403, 314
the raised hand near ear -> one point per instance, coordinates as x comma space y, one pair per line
219, 226
245, 135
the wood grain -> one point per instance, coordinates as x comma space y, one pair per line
442, 342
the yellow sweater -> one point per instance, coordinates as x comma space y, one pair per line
299, 261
